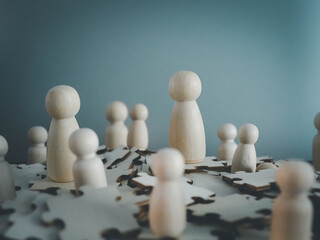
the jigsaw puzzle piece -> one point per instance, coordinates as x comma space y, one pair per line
24, 173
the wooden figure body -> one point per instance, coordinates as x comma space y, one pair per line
245, 157
227, 133
186, 131
117, 131
37, 152
7, 188
292, 210
138, 132
62, 103
316, 144
167, 213
88, 169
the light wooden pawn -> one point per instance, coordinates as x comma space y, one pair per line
62, 103
117, 131
316, 144
7, 188
88, 169
186, 131
245, 156
138, 132
37, 152
227, 133
167, 211
292, 210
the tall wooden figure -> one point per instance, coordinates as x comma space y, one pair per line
7, 189
167, 213
292, 211
138, 133
62, 103
316, 144
117, 131
186, 131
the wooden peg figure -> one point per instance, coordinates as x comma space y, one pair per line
62, 103
117, 131
245, 156
227, 133
7, 188
37, 152
88, 169
316, 144
138, 132
186, 131
167, 212
292, 210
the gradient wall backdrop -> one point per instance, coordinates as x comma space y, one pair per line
258, 62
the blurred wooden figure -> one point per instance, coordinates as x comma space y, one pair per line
292, 210
88, 169
62, 103
117, 131
7, 187
138, 132
186, 131
37, 152
245, 156
316, 144
167, 211
227, 133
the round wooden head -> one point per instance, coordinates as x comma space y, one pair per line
84, 142
3, 147
139, 112
248, 134
117, 111
295, 176
37, 135
185, 86
168, 164
317, 121
62, 102
227, 131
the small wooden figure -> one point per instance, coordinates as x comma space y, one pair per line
37, 152
316, 144
167, 212
7, 189
245, 157
88, 169
292, 210
138, 132
186, 131
62, 103
117, 131
227, 133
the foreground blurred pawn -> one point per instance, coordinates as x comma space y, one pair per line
7, 189
245, 156
227, 133
117, 131
37, 152
167, 213
316, 144
62, 103
186, 131
88, 169
138, 132
292, 210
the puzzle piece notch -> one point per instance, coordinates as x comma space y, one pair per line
234, 208
99, 204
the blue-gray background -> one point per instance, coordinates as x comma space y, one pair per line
258, 62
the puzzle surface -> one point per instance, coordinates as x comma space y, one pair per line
215, 206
